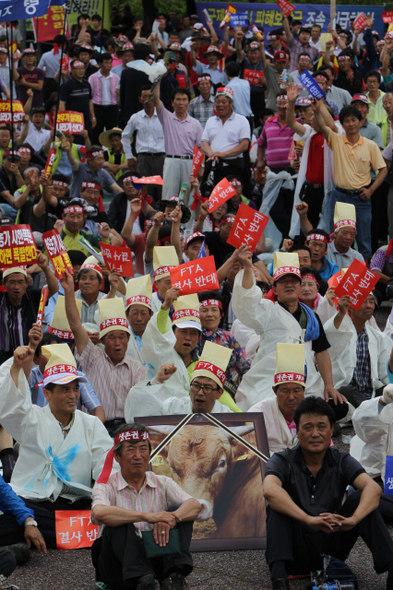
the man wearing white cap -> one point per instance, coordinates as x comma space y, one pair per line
205, 389
289, 386
283, 321
138, 311
18, 309
167, 342
225, 137
110, 371
213, 55
61, 448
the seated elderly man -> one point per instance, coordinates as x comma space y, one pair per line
176, 342
360, 354
135, 505
289, 385
110, 371
61, 448
205, 390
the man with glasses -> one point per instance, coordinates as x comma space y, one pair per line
206, 388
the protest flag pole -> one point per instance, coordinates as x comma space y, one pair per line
10, 62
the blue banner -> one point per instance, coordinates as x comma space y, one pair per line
22, 9
268, 17
388, 489
311, 85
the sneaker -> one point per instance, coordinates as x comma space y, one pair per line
6, 584
21, 552
148, 582
281, 584
175, 581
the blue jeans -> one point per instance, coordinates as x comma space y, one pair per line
8, 211
363, 219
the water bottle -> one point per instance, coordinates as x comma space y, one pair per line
284, 77
183, 191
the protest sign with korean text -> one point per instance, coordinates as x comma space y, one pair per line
50, 161
150, 180
17, 111
358, 282
70, 122
253, 77
57, 253
197, 159
119, 258
195, 276
387, 16
240, 19
286, 7
17, 246
74, 529
247, 227
22, 9
41, 307
50, 24
360, 23
221, 193
311, 85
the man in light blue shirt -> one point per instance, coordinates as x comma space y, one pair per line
212, 55
241, 90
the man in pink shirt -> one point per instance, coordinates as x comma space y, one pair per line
132, 504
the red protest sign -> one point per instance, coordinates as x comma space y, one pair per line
47, 26
17, 246
118, 258
57, 253
195, 276
41, 307
286, 7
17, 111
360, 23
387, 16
197, 158
253, 77
70, 122
247, 227
221, 193
150, 180
49, 161
357, 282
74, 529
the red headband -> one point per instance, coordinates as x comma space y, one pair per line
113, 322
94, 154
206, 366
60, 370
149, 222
344, 222
162, 270
92, 185
227, 219
127, 435
310, 277
186, 313
288, 377
59, 183
73, 209
91, 266
139, 299
132, 178
207, 302
24, 150
61, 333
77, 64
317, 237
286, 270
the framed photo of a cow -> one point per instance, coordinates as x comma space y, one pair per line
214, 467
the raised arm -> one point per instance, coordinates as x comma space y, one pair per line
156, 96
51, 280
320, 121
65, 144
80, 334
136, 207
293, 93
287, 28
239, 48
152, 236
175, 232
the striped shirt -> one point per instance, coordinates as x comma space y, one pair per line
157, 494
103, 88
277, 141
361, 378
110, 382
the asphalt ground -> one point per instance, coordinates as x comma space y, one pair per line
219, 570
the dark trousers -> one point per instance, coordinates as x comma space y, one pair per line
354, 396
7, 562
379, 219
236, 166
314, 199
44, 513
151, 165
120, 560
106, 118
301, 548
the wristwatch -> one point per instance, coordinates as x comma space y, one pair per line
31, 523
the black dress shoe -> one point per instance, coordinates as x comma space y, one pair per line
281, 584
21, 552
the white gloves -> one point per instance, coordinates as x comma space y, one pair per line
387, 396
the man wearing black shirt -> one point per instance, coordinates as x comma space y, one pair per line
305, 487
75, 95
130, 82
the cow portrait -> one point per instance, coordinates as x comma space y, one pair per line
221, 473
